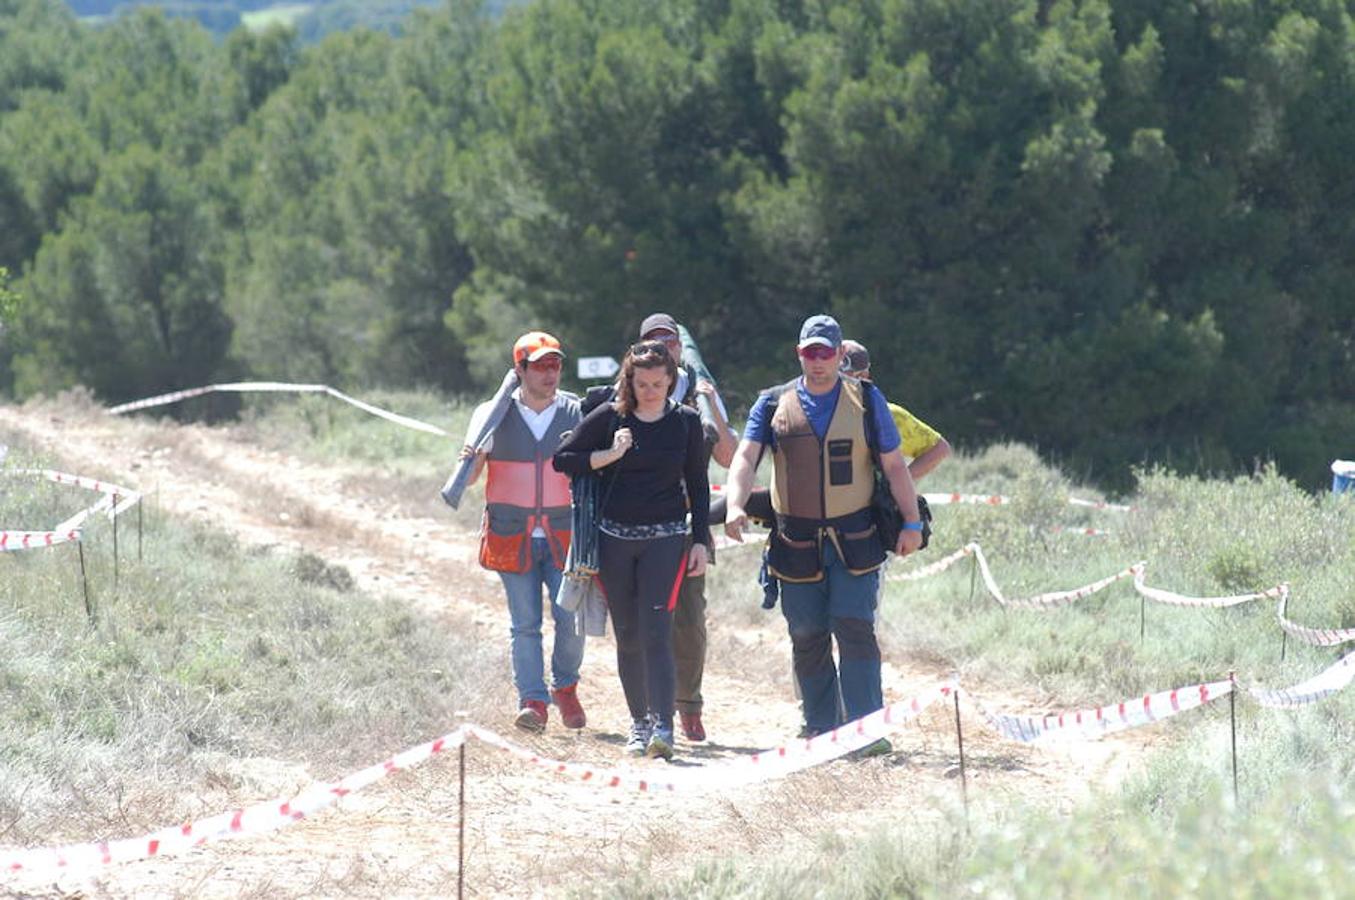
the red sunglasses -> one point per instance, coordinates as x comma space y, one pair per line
545, 364
818, 352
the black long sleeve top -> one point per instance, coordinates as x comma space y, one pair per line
666, 456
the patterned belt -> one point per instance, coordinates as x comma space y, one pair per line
642, 532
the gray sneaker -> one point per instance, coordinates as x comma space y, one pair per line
640, 731
660, 743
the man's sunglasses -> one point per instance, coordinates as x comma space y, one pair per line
818, 352
545, 364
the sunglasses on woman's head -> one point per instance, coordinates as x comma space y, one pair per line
818, 352
647, 349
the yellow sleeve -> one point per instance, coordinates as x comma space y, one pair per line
918, 437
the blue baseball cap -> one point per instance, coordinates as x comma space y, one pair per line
821, 330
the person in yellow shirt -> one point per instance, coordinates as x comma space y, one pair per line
922, 445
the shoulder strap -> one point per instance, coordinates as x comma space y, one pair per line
773, 395
871, 396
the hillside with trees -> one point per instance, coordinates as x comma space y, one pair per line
1118, 231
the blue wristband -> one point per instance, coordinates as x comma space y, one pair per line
912, 526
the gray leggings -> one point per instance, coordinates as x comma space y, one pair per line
641, 579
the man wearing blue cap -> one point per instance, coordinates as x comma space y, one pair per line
824, 432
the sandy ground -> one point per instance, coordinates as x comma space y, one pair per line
527, 831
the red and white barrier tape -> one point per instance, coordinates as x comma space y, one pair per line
29, 540
252, 820
935, 568
1321, 686
93, 484
1317, 637
1162, 596
274, 814
1046, 600
976, 499
242, 387
115, 501
1103, 720
955, 497
775, 763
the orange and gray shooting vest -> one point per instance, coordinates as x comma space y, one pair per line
822, 487
523, 491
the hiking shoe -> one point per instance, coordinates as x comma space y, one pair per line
567, 701
640, 731
692, 729
532, 716
660, 743
882, 747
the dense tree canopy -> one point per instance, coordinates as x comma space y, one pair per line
1116, 230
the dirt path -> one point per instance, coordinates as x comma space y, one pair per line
528, 832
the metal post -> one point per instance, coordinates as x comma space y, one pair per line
1143, 616
140, 501
461, 825
1284, 614
84, 579
113, 514
1232, 716
959, 738
973, 577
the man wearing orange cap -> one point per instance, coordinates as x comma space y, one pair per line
526, 529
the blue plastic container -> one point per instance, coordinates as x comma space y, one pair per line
1342, 476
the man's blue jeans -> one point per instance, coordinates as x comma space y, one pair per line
840, 606
524, 610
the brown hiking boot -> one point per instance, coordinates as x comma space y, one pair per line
692, 729
532, 716
571, 712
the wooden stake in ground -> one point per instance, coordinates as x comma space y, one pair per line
84, 579
113, 514
461, 824
959, 738
1232, 716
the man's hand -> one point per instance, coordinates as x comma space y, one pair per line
736, 523
909, 542
467, 451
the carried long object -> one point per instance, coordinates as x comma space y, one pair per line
502, 400
691, 356
585, 491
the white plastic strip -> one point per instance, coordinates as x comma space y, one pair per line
252, 820
29, 540
1317, 637
1046, 600
275, 814
242, 387
1330, 681
935, 568
775, 763
1103, 720
975, 499
1159, 595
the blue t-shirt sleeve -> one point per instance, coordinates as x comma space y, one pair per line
759, 427
884, 423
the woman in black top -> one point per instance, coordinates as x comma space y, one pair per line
651, 457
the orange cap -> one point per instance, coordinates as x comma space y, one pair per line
535, 344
